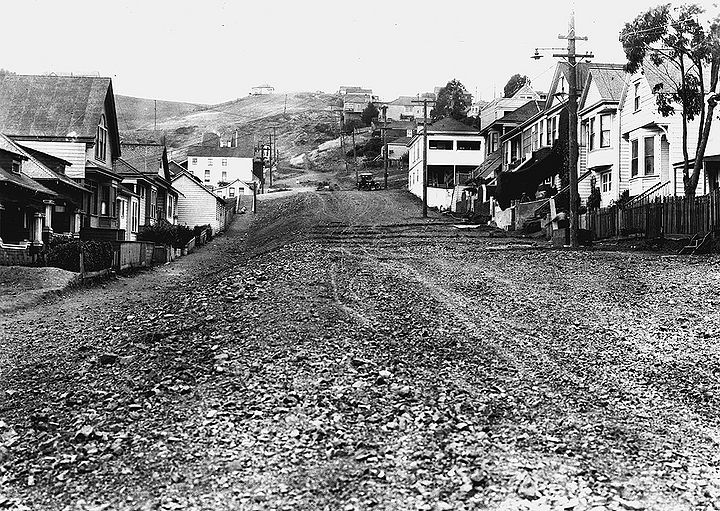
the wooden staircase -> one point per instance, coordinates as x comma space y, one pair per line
699, 244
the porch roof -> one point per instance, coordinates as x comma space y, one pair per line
23, 181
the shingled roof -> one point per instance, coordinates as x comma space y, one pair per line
450, 125
32, 167
53, 106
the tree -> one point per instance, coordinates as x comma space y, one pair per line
453, 101
514, 84
371, 112
5, 72
675, 39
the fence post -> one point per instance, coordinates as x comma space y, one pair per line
82, 263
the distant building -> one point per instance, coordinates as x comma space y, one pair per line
217, 166
262, 90
348, 89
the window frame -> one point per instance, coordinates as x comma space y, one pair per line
606, 182
636, 97
634, 157
591, 134
605, 139
101, 138
651, 156
471, 143
442, 142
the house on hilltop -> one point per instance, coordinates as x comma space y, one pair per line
262, 90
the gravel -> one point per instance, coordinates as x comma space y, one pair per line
347, 354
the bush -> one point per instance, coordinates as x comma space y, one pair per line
183, 235
162, 233
200, 228
98, 255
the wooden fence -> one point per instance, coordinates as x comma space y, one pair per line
657, 217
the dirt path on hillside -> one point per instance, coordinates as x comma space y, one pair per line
348, 354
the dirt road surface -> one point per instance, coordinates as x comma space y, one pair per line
341, 352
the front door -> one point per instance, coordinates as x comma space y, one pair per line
123, 215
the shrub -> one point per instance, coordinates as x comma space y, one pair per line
200, 228
183, 235
162, 233
98, 255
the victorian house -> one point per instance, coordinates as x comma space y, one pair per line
73, 119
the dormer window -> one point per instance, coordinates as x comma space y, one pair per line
637, 97
101, 140
562, 85
16, 166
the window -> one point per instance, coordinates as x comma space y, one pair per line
534, 136
142, 192
207, 176
441, 145
224, 176
468, 145
493, 142
591, 134
194, 161
210, 162
16, 166
634, 158
101, 140
171, 202
541, 129
223, 162
134, 219
92, 185
105, 201
554, 129
649, 155
562, 85
231, 192
605, 122
153, 203
637, 96
548, 132
605, 182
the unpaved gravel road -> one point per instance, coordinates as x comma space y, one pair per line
346, 354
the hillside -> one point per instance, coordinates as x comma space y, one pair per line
134, 113
303, 121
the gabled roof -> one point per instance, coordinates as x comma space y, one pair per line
518, 116
610, 83
57, 107
125, 170
20, 178
583, 69
450, 125
195, 180
33, 167
357, 98
404, 101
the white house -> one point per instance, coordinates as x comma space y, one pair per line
454, 150
651, 145
261, 90
600, 132
234, 189
214, 165
198, 205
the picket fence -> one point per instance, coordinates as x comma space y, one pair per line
653, 218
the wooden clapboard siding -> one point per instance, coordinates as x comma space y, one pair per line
74, 152
197, 205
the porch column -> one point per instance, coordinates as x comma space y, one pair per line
37, 231
76, 222
48, 215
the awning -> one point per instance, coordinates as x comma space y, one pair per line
545, 163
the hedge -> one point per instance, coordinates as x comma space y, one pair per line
64, 254
165, 233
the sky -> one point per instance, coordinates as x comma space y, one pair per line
211, 51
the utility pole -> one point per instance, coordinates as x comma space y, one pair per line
270, 160
425, 145
572, 60
383, 130
155, 115
355, 158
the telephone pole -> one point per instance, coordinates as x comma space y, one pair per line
425, 145
385, 153
355, 158
572, 59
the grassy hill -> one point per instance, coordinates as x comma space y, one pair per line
135, 113
303, 120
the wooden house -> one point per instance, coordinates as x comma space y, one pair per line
23, 203
72, 118
198, 205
